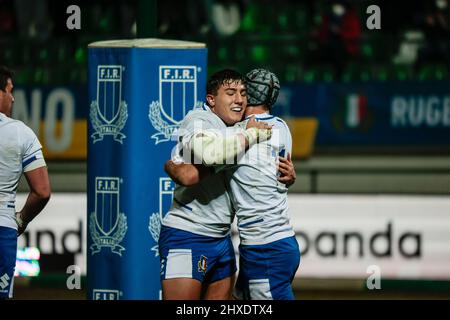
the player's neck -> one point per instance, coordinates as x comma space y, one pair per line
255, 110
4, 113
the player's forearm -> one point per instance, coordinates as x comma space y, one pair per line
213, 148
38, 197
33, 206
182, 174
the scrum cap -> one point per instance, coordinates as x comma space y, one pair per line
263, 87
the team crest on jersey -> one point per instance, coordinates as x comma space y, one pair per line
109, 112
166, 186
202, 265
108, 225
177, 95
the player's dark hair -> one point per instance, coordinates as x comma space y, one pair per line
225, 76
5, 74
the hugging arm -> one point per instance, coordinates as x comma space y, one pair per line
212, 147
287, 170
186, 174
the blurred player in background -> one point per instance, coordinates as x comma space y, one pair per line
269, 252
197, 256
20, 152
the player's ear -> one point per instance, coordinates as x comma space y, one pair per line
211, 100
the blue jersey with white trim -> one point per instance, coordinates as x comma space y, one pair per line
20, 150
259, 199
204, 208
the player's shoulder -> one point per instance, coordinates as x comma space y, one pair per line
12, 122
281, 125
23, 127
274, 120
4, 119
200, 115
197, 114
17, 130
23, 130
281, 122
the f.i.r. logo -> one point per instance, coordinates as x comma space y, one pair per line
177, 91
109, 112
177, 73
177, 96
166, 187
107, 224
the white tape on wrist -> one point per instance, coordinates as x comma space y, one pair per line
213, 148
19, 220
254, 135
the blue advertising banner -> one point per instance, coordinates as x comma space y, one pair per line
373, 114
139, 91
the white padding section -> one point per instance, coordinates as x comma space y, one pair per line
179, 264
11, 288
260, 289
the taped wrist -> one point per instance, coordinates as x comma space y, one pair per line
251, 135
214, 148
254, 135
19, 221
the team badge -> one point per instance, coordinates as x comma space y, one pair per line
177, 95
109, 112
108, 225
166, 186
202, 265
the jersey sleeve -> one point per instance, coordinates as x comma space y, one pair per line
288, 141
285, 135
195, 122
32, 156
202, 141
209, 142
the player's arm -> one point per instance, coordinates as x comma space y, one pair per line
287, 170
212, 147
186, 174
38, 196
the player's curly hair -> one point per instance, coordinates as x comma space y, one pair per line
222, 77
5, 74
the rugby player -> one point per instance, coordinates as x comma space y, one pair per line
20, 152
269, 252
197, 255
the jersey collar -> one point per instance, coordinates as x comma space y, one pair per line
260, 116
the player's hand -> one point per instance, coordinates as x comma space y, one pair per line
258, 131
252, 123
21, 225
287, 170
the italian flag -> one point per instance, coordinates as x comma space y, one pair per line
356, 110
